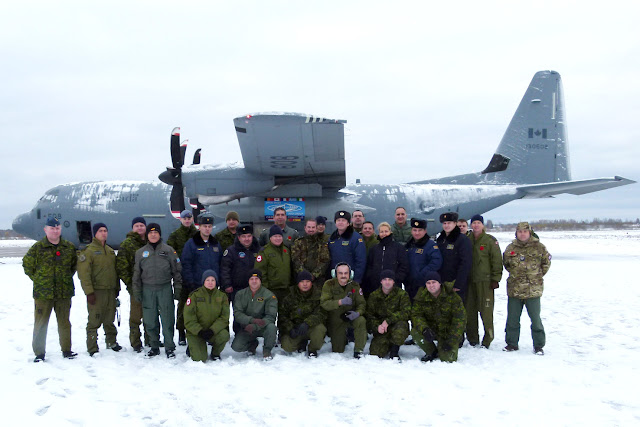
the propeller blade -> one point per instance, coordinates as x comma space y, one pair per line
176, 157
183, 151
196, 157
177, 200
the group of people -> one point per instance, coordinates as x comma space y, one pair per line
292, 290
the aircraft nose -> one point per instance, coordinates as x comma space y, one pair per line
21, 224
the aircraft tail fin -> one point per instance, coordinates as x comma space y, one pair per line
534, 147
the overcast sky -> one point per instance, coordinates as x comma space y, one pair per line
92, 91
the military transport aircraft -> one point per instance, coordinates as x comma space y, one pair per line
297, 161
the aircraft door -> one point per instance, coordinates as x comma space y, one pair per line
84, 232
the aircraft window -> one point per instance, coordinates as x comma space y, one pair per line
49, 198
84, 231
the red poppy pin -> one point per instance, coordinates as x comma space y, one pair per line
57, 253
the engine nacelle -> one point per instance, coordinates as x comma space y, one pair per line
213, 184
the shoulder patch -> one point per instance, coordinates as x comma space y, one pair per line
273, 297
188, 301
435, 246
259, 258
360, 240
145, 254
82, 258
226, 251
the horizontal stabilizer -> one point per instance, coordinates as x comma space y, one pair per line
537, 191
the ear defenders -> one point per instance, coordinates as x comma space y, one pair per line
333, 270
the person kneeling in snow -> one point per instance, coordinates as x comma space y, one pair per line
206, 318
438, 314
255, 309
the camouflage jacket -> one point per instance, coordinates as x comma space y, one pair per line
180, 237
332, 292
206, 309
299, 307
311, 253
126, 258
526, 263
444, 315
486, 257
225, 238
275, 264
97, 268
51, 268
394, 308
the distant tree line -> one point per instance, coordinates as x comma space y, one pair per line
571, 224
11, 235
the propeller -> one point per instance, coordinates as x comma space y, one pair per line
173, 176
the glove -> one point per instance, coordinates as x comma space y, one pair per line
206, 334
250, 328
352, 315
91, 299
495, 285
228, 290
346, 300
303, 329
259, 322
428, 335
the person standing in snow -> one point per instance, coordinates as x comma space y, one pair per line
527, 261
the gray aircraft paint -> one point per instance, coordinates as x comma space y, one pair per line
297, 155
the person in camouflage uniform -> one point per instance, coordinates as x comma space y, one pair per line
437, 315
125, 262
206, 316
311, 253
369, 236
177, 240
527, 261
401, 229
344, 301
227, 236
100, 283
388, 313
274, 261
486, 272
302, 318
255, 309
50, 264
357, 220
321, 224
182, 234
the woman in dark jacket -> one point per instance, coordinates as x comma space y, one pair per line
387, 255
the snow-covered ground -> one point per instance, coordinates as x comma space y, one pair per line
589, 374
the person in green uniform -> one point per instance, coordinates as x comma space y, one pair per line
177, 240
255, 309
100, 283
302, 318
437, 315
274, 261
527, 261
227, 236
369, 235
401, 229
388, 313
125, 261
344, 301
486, 272
157, 265
311, 253
206, 317
50, 264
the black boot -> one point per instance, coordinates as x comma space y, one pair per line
68, 354
393, 352
182, 337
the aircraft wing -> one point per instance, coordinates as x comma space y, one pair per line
294, 148
536, 191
